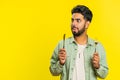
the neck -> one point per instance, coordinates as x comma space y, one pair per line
82, 39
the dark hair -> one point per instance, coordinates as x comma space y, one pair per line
85, 11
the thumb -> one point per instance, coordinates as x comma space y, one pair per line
96, 54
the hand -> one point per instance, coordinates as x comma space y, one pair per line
95, 60
62, 56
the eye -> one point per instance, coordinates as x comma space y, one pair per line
78, 20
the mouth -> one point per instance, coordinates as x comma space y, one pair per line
74, 29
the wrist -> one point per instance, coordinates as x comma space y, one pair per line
97, 67
61, 63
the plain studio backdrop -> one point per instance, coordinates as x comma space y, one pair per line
31, 29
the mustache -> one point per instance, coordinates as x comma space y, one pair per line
72, 27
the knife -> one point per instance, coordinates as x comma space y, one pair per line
64, 41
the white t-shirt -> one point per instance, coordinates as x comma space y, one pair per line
79, 71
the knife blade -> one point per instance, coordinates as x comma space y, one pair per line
64, 40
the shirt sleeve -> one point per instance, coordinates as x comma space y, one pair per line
55, 67
103, 70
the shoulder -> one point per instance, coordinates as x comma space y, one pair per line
93, 42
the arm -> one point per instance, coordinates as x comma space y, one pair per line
55, 67
102, 71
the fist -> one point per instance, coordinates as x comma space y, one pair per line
95, 60
62, 56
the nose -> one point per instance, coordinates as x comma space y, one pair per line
74, 23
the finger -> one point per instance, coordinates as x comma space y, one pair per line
62, 58
96, 54
62, 53
62, 49
94, 62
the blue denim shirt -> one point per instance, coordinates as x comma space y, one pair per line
66, 70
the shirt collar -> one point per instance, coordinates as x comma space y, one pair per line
90, 42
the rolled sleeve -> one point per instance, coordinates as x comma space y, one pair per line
102, 71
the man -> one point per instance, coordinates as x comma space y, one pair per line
82, 58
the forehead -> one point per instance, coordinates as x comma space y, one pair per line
77, 15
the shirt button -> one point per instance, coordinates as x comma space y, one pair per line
72, 69
75, 48
73, 58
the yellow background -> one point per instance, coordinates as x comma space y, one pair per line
30, 30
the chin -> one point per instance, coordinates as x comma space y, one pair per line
75, 32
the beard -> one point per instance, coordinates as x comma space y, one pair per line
80, 32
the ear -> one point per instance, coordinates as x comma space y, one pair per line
87, 24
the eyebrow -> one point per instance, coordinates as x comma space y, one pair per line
75, 19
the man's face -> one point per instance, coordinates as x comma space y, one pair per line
78, 24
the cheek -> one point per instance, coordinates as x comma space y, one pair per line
80, 26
